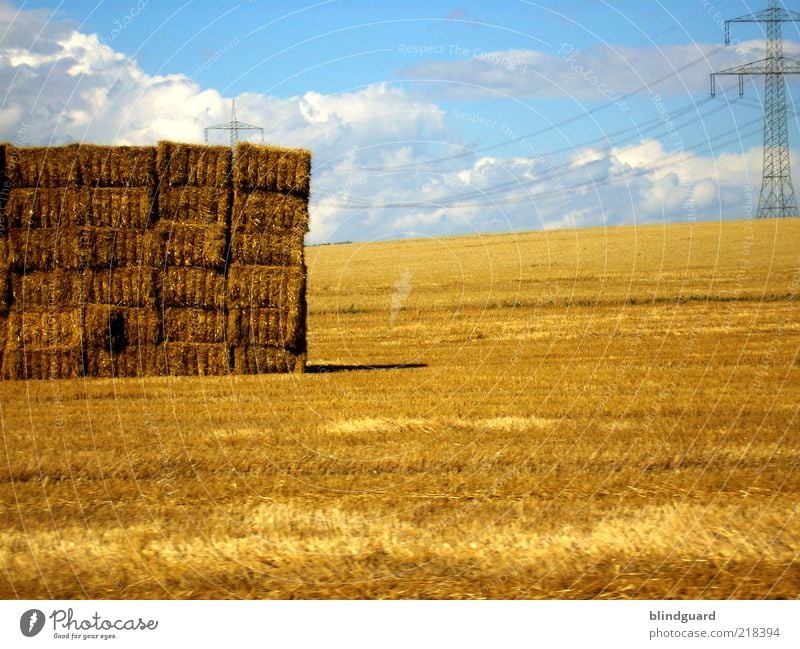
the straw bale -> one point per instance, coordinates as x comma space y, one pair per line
142, 360
192, 359
126, 286
48, 289
183, 244
271, 248
76, 247
200, 205
191, 287
31, 329
49, 363
267, 327
256, 359
271, 168
44, 166
47, 207
6, 295
5, 188
118, 327
5, 253
256, 327
260, 210
265, 287
126, 207
117, 166
180, 164
194, 325
3, 333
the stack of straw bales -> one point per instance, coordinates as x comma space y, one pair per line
132, 261
81, 286
266, 269
189, 244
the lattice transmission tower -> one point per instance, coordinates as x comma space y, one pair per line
234, 126
777, 197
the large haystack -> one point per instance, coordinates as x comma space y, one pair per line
134, 261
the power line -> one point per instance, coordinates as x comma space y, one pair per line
546, 129
666, 162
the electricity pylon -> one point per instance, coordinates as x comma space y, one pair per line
777, 193
234, 126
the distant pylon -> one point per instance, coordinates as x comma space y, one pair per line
234, 126
777, 192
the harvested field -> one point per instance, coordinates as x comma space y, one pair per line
606, 413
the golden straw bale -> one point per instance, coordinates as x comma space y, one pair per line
40, 329
117, 166
256, 327
271, 168
47, 207
122, 207
193, 359
260, 210
180, 164
255, 359
191, 287
3, 332
125, 286
267, 327
6, 294
199, 205
118, 327
265, 287
76, 247
183, 244
133, 361
49, 363
194, 325
48, 289
5, 253
271, 248
44, 166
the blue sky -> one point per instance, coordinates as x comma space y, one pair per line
409, 106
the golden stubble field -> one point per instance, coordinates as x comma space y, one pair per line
606, 413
